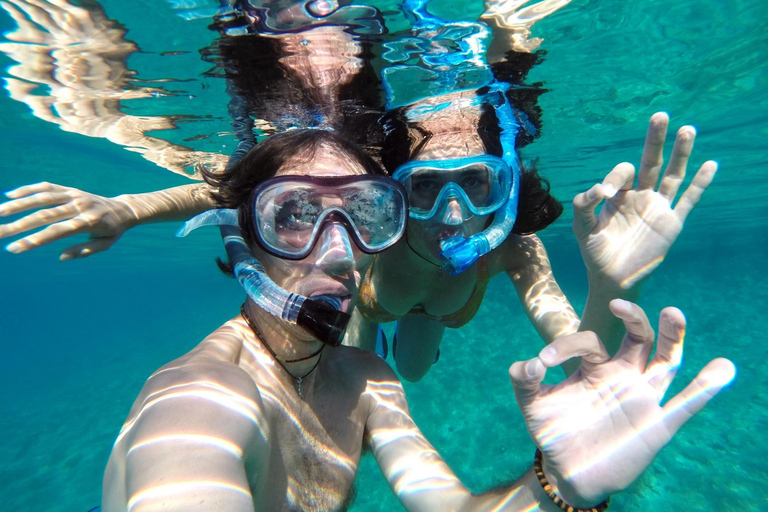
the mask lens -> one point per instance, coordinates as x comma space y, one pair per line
292, 211
480, 182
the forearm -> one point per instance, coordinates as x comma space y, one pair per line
545, 303
419, 476
526, 495
448, 493
173, 204
598, 318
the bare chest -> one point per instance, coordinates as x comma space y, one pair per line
314, 453
399, 290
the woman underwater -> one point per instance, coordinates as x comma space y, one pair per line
620, 246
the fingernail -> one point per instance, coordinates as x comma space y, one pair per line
65, 257
548, 354
533, 367
609, 191
13, 247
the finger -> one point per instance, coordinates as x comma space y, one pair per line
26, 29
675, 172
35, 14
34, 188
653, 151
583, 344
87, 248
669, 350
638, 341
526, 380
44, 14
41, 200
584, 204
621, 177
38, 219
692, 195
48, 235
716, 375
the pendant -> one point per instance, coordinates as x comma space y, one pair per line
298, 386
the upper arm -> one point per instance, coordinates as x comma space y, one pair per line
526, 262
187, 440
414, 470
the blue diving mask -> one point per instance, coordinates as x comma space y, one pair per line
481, 184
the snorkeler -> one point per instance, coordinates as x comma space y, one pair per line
263, 416
458, 181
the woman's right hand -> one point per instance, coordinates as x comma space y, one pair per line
65, 211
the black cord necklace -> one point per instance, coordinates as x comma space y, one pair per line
440, 271
261, 337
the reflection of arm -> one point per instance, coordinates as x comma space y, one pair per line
196, 425
418, 475
72, 71
512, 22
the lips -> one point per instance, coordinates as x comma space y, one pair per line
329, 291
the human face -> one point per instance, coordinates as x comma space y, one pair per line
452, 217
290, 212
335, 265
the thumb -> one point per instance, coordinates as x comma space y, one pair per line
87, 248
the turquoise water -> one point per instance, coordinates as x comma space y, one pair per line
79, 338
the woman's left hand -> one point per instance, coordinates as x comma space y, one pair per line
637, 225
600, 428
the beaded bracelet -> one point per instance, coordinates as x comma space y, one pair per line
557, 500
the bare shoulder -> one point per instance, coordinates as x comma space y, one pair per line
358, 364
517, 252
211, 365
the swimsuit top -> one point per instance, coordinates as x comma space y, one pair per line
372, 310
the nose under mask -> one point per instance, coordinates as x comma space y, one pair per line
453, 212
336, 247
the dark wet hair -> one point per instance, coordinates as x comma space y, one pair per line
260, 85
537, 208
233, 186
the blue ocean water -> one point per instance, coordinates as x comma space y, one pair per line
80, 337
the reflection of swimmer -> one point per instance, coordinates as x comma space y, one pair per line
408, 283
263, 416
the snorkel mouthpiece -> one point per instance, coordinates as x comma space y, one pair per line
459, 253
323, 321
320, 316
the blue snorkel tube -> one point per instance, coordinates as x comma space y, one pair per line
458, 253
320, 318
450, 68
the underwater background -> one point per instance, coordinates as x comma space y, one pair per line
79, 338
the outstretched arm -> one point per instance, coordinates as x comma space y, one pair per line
636, 226
196, 426
68, 211
598, 430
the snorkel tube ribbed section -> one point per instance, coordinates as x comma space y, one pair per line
254, 279
318, 318
459, 253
